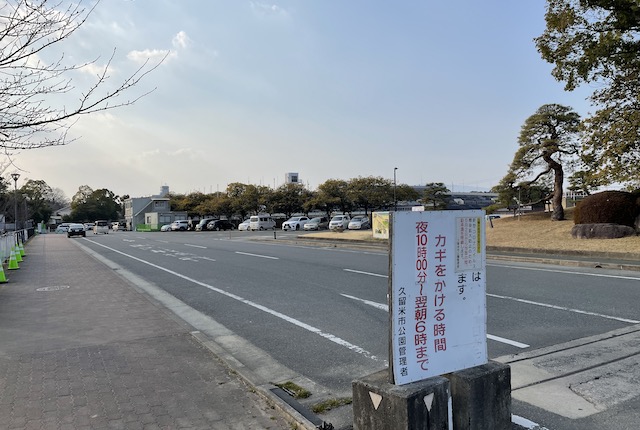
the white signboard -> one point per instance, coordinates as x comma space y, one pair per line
437, 300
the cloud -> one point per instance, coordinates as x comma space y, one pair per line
185, 153
181, 40
94, 69
265, 9
151, 54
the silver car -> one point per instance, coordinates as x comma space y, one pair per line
318, 223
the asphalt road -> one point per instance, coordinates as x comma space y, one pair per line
317, 314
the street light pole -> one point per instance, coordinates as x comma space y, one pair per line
15, 177
395, 200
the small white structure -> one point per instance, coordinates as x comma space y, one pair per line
291, 178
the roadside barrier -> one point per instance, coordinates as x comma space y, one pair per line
12, 250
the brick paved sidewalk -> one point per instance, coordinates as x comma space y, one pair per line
80, 348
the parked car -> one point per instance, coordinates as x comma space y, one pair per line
295, 223
62, 228
262, 222
202, 224
245, 225
180, 225
339, 222
166, 227
76, 230
318, 223
220, 224
101, 226
359, 222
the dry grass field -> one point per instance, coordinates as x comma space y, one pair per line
531, 232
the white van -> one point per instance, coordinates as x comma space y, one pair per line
261, 222
101, 227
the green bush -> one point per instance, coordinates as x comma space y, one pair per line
615, 207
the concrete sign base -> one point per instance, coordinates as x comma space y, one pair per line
482, 397
379, 405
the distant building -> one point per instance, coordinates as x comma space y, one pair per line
150, 213
291, 178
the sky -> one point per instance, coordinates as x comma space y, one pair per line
329, 89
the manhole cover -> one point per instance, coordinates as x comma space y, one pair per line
53, 288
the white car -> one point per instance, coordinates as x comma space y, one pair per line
180, 225
339, 222
166, 227
62, 228
101, 226
245, 225
295, 223
262, 222
359, 222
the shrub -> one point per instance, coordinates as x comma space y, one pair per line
615, 207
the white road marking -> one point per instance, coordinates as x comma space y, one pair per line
195, 246
298, 323
376, 305
257, 255
563, 308
508, 341
527, 424
366, 273
568, 272
385, 308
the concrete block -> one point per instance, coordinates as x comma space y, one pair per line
482, 397
379, 405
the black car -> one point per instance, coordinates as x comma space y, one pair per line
76, 230
220, 224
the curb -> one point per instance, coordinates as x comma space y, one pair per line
265, 391
565, 262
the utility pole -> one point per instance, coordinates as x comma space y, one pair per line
395, 200
15, 177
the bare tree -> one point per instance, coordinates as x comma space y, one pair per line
31, 115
